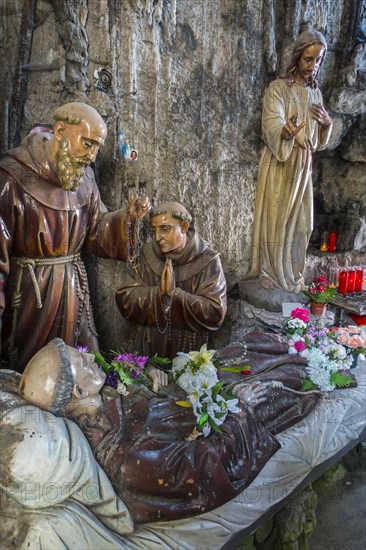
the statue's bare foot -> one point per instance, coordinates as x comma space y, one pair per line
266, 283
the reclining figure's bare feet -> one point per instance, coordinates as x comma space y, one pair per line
266, 283
251, 394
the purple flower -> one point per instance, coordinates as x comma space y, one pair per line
112, 379
141, 361
129, 359
82, 349
124, 357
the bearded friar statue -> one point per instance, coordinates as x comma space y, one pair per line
50, 209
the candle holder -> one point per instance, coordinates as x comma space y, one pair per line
324, 241
333, 277
332, 241
358, 279
351, 281
343, 280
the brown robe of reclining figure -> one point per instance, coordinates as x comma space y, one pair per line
139, 440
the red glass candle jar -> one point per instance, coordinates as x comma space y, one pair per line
332, 241
358, 279
343, 280
351, 280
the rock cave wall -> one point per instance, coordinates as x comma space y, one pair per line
184, 80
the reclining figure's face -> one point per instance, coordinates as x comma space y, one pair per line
88, 377
52, 385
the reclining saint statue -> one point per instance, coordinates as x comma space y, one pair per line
141, 439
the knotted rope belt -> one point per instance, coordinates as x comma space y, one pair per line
31, 264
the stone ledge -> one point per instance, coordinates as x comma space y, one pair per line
291, 527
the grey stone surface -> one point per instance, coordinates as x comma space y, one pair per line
341, 127
243, 317
353, 234
349, 101
270, 300
327, 515
354, 145
342, 182
341, 516
188, 79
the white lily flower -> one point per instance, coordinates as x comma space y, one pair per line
206, 429
188, 382
209, 370
232, 405
203, 356
206, 382
180, 361
194, 398
197, 375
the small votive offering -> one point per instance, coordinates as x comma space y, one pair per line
332, 241
333, 277
351, 281
343, 280
358, 279
324, 241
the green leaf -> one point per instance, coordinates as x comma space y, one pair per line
214, 426
216, 389
102, 362
227, 394
203, 419
160, 361
124, 376
358, 351
308, 385
236, 369
340, 380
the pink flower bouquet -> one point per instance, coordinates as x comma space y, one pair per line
353, 337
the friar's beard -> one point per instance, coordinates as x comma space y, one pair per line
70, 171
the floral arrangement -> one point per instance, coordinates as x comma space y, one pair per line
196, 374
352, 337
319, 291
325, 356
125, 369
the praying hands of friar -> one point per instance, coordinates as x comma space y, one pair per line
167, 284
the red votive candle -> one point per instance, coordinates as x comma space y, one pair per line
358, 280
351, 281
332, 241
343, 279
